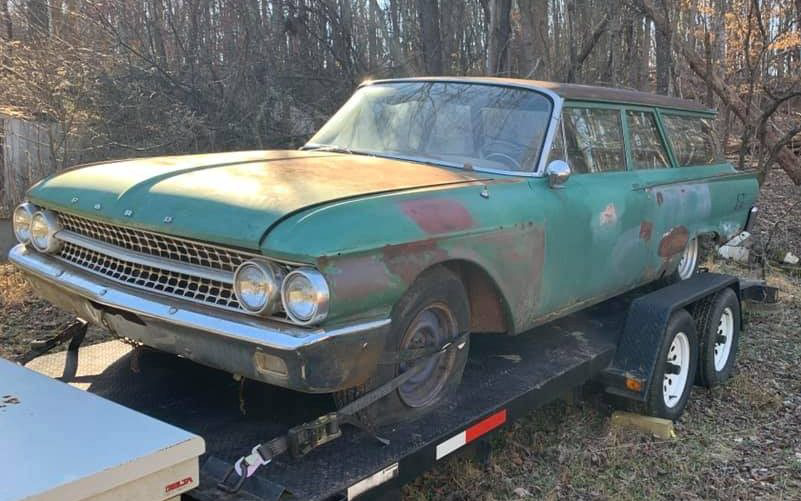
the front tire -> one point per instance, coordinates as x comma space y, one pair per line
433, 311
676, 365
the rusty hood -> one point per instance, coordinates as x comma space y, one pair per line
229, 198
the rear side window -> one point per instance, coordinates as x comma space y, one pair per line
647, 150
593, 140
692, 140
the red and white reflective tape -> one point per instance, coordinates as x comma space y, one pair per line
481, 428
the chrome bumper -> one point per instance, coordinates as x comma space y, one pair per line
310, 360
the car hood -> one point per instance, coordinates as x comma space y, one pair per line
228, 198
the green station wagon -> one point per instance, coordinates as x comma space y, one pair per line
425, 210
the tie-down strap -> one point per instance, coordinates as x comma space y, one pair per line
302, 439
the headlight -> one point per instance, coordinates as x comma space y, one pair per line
44, 226
305, 296
22, 221
256, 285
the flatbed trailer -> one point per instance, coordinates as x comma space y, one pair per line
506, 378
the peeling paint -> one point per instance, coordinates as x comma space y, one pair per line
646, 227
609, 215
674, 241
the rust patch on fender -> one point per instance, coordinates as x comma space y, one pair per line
407, 260
438, 215
609, 215
674, 241
645, 230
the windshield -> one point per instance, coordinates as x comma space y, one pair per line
460, 124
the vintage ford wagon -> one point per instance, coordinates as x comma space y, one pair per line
424, 210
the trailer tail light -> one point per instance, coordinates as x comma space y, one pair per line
461, 439
634, 384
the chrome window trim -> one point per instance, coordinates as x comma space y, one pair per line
556, 110
144, 259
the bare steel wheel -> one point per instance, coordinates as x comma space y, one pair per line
689, 260
432, 327
434, 311
676, 364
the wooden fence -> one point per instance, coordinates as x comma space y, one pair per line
27, 156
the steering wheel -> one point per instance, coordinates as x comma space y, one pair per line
504, 152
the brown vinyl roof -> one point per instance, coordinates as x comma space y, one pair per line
580, 92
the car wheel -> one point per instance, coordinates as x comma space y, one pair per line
675, 369
433, 311
718, 320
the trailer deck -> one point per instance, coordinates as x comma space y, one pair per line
506, 377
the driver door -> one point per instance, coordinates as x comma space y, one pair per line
594, 248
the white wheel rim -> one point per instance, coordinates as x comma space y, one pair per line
677, 365
724, 338
689, 258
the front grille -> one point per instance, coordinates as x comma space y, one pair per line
180, 284
167, 282
154, 244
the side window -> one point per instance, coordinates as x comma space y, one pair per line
692, 139
593, 140
647, 150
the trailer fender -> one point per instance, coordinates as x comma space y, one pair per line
631, 371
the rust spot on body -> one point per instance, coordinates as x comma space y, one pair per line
439, 215
645, 230
674, 241
659, 198
407, 260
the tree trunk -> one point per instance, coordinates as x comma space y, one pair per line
728, 94
499, 27
8, 31
664, 58
428, 12
533, 30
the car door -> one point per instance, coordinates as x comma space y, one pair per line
593, 224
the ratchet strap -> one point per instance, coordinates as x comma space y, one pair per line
302, 439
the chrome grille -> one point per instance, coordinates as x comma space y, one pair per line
167, 282
154, 244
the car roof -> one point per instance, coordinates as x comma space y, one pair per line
576, 92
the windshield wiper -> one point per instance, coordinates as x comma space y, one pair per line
329, 147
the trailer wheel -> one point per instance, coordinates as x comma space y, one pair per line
434, 310
675, 368
718, 320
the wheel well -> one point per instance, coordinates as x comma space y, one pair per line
488, 310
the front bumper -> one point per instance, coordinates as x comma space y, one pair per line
309, 360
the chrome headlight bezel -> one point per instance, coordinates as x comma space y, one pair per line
52, 226
271, 276
24, 209
317, 285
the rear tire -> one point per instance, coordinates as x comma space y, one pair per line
718, 320
433, 311
676, 365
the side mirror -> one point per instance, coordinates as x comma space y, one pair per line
558, 172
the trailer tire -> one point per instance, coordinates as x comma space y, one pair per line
676, 365
437, 297
718, 319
